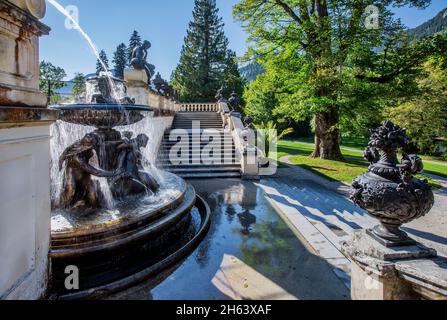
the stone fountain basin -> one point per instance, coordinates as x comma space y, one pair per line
115, 249
102, 115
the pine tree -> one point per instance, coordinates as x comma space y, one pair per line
120, 60
204, 57
135, 41
78, 85
105, 60
233, 81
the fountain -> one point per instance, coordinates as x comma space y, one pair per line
115, 217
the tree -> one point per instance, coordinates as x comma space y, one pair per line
120, 60
105, 60
51, 79
78, 86
205, 63
135, 41
425, 116
338, 50
233, 81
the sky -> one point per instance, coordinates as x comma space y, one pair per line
164, 23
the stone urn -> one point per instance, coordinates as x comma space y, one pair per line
389, 191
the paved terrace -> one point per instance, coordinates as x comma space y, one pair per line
279, 238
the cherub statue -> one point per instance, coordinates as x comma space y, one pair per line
139, 60
219, 94
132, 179
79, 190
234, 101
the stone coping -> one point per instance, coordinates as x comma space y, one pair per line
13, 117
19, 14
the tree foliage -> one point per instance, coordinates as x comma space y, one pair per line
324, 61
425, 116
51, 79
78, 88
105, 60
205, 63
120, 60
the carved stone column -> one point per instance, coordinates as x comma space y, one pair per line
24, 153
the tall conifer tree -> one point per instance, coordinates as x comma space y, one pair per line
135, 41
120, 60
105, 59
204, 56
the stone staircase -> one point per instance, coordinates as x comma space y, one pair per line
190, 163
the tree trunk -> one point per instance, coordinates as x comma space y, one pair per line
327, 136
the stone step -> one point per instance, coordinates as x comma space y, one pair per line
165, 154
199, 120
196, 115
174, 137
205, 168
201, 131
201, 146
202, 126
202, 166
220, 175
198, 157
192, 146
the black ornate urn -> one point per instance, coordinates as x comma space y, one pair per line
389, 191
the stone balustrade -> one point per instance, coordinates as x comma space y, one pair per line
199, 107
242, 136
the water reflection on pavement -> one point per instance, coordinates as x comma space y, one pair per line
249, 253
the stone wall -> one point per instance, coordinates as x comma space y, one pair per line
24, 153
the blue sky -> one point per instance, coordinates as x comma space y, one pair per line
164, 23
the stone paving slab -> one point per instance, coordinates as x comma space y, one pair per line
430, 230
250, 252
317, 234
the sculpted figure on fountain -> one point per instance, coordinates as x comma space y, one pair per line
139, 60
79, 190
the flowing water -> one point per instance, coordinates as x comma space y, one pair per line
90, 42
65, 134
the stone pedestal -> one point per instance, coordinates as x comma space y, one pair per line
19, 53
137, 86
24, 153
378, 272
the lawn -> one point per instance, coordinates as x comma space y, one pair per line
344, 171
360, 144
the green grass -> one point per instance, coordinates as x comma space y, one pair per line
348, 142
435, 169
356, 143
344, 171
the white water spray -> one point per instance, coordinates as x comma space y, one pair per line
77, 27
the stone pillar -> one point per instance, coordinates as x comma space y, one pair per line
376, 269
24, 153
137, 86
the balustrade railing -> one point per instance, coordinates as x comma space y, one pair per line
199, 107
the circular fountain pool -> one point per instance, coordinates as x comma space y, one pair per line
116, 248
114, 220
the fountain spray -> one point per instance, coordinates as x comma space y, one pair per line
62, 10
